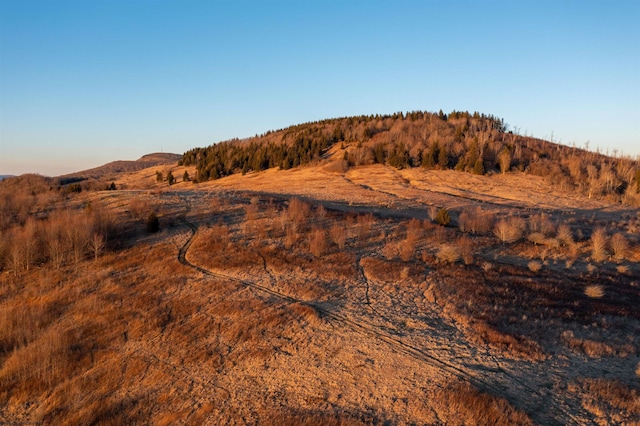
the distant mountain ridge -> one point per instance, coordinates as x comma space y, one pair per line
124, 166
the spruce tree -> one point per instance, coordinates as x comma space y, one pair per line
153, 223
478, 167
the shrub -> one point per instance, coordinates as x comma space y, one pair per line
251, 212
448, 253
534, 266
619, 246
623, 269
433, 212
505, 161
541, 223
564, 235
594, 291
153, 223
475, 222
291, 235
137, 208
298, 210
317, 242
408, 246
443, 218
599, 244
501, 230
338, 235
364, 225
466, 249
414, 228
509, 230
536, 238
321, 212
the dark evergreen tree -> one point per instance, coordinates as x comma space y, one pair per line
443, 158
152, 223
478, 167
379, 155
443, 218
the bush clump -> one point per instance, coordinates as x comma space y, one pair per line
443, 218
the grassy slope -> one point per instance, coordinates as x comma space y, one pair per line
375, 332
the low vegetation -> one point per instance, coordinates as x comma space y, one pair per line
386, 302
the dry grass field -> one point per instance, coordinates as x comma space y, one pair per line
314, 296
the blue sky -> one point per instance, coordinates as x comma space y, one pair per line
86, 82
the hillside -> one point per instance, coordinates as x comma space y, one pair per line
462, 141
344, 290
122, 166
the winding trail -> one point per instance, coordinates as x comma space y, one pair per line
540, 405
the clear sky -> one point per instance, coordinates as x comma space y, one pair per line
86, 82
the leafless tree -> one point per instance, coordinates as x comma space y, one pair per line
97, 244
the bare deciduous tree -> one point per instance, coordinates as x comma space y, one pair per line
505, 161
338, 235
97, 244
318, 242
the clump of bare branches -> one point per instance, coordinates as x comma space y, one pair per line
542, 224
619, 246
338, 235
599, 244
318, 242
466, 249
448, 253
476, 221
364, 225
291, 235
408, 246
509, 230
251, 211
298, 210
564, 235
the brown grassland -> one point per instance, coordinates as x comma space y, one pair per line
318, 295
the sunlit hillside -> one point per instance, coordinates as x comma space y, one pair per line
344, 272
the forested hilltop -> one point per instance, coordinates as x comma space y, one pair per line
467, 142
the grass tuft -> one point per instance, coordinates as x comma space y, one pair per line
534, 266
599, 245
448, 253
594, 291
